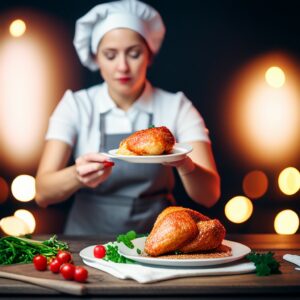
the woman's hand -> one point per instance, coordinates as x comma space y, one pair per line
93, 168
184, 166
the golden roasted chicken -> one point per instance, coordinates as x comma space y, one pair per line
151, 141
185, 230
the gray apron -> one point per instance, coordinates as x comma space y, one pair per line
130, 199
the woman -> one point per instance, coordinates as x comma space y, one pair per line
120, 38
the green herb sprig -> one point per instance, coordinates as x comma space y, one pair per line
265, 263
127, 238
113, 255
14, 250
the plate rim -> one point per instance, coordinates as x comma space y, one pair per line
187, 149
200, 262
185, 262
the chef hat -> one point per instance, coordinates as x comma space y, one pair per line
131, 14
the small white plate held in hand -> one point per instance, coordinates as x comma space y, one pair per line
180, 150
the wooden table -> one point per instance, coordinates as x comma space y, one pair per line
247, 286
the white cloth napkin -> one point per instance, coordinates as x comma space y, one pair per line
295, 259
146, 274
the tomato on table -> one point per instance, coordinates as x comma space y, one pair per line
67, 271
40, 262
64, 256
54, 265
80, 274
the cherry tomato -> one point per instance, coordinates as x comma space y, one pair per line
55, 265
67, 271
80, 274
40, 262
99, 251
64, 256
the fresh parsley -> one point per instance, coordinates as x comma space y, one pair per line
127, 238
265, 263
113, 255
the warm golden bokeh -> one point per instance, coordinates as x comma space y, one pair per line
286, 222
289, 181
23, 188
275, 77
17, 28
238, 209
35, 70
27, 217
262, 122
13, 226
255, 184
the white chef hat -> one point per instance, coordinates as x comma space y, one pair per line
131, 14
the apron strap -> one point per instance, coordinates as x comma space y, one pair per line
150, 119
102, 129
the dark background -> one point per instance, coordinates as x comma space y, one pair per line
206, 43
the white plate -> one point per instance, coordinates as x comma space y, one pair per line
238, 252
180, 150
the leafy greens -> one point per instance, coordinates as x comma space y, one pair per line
14, 250
265, 263
112, 253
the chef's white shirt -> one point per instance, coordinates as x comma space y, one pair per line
76, 119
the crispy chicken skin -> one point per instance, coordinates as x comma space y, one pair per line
171, 233
151, 141
210, 235
183, 229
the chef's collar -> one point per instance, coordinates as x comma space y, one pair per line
143, 103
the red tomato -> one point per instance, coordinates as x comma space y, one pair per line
64, 256
80, 274
55, 265
67, 271
99, 251
40, 262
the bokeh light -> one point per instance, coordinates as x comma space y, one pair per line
275, 77
289, 181
13, 226
255, 184
286, 222
17, 28
27, 217
4, 190
262, 122
34, 74
238, 209
23, 188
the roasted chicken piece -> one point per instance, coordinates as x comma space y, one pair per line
183, 229
151, 141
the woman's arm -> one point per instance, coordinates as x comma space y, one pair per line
55, 182
199, 174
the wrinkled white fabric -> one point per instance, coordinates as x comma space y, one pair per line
295, 259
148, 274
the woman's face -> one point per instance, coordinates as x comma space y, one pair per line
123, 58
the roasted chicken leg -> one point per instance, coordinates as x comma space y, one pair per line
183, 229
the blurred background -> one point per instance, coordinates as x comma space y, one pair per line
239, 63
